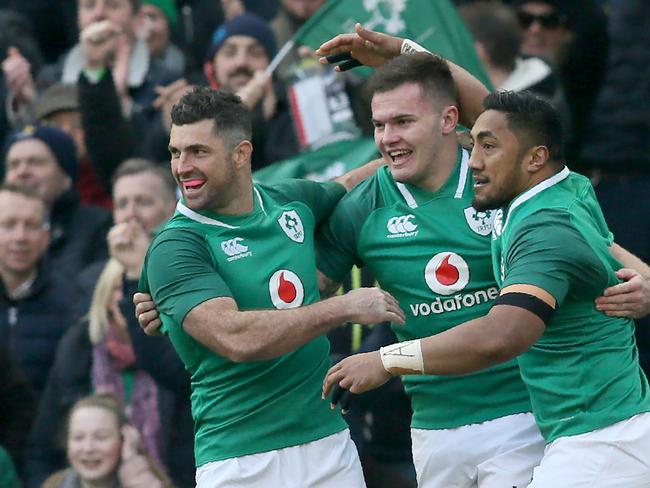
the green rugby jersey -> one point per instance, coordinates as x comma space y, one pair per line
432, 252
583, 374
264, 260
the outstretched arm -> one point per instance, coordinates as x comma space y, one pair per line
372, 48
504, 333
263, 334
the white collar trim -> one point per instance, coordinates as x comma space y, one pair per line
538, 188
197, 217
460, 187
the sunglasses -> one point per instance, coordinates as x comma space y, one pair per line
547, 21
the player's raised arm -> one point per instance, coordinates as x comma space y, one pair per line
373, 49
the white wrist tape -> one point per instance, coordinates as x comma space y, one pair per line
409, 47
403, 357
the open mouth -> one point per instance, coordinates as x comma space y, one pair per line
400, 156
193, 185
480, 181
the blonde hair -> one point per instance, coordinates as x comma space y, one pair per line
98, 316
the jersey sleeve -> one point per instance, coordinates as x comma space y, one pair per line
596, 213
180, 274
338, 238
549, 252
321, 198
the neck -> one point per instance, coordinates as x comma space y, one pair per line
14, 280
102, 483
241, 201
442, 167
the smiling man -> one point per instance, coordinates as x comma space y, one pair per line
234, 278
552, 256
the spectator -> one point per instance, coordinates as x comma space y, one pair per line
44, 159
98, 430
34, 312
498, 38
96, 355
21, 61
616, 151
155, 21
240, 51
572, 36
58, 106
144, 196
290, 17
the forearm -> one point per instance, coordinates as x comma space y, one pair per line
471, 93
504, 333
263, 334
464, 349
629, 260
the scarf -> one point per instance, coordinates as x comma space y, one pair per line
111, 357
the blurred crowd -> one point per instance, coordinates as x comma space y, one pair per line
86, 90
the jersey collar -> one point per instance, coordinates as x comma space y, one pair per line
538, 188
463, 172
204, 219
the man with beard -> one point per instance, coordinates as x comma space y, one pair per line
552, 255
240, 51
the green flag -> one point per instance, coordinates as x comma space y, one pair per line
321, 164
434, 24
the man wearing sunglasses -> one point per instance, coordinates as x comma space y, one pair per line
544, 28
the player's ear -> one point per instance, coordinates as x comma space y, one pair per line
242, 153
449, 119
537, 158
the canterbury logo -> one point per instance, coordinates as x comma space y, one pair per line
401, 226
233, 247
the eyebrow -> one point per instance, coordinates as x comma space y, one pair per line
191, 147
483, 134
394, 117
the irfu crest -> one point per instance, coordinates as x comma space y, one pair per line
292, 225
479, 222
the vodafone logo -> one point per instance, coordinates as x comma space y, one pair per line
446, 273
286, 289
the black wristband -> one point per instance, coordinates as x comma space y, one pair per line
528, 302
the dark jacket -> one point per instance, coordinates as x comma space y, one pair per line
78, 235
18, 406
31, 327
618, 140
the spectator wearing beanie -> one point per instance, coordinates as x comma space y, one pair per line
44, 160
240, 51
156, 20
59, 107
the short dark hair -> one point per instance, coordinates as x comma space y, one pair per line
532, 119
496, 27
232, 120
431, 72
135, 166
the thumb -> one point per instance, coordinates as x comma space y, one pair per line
368, 35
626, 274
13, 51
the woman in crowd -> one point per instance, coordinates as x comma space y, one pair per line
95, 356
104, 451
